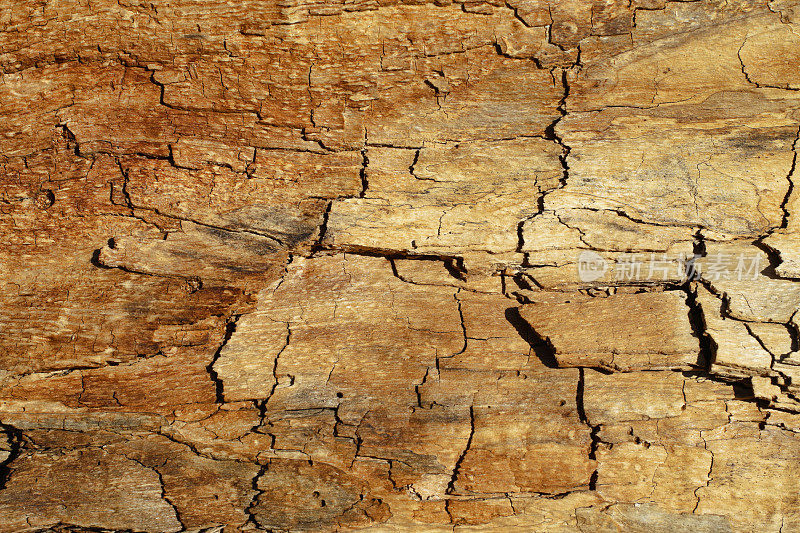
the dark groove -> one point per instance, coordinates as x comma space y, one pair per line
230, 328
541, 347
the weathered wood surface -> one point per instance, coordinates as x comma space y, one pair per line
399, 266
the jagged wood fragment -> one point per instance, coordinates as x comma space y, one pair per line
737, 352
621, 332
446, 199
116, 492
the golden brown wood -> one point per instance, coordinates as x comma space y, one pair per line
378, 265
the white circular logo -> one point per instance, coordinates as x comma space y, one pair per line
591, 266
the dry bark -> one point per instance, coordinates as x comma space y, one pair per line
321, 266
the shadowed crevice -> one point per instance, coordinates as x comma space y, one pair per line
541, 346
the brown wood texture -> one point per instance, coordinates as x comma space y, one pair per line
381, 265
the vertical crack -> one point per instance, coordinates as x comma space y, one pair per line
707, 346
593, 430
275, 363
14, 437
741, 63
794, 332
421, 384
126, 195
697, 321
451, 486
550, 131
412, 166
249, 510
363, 174
164, 496
774, 254
789, 176
710, 470
463, 325
747, 77
323, 229
551, 135
230, 328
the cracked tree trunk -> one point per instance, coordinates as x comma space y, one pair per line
399, 266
